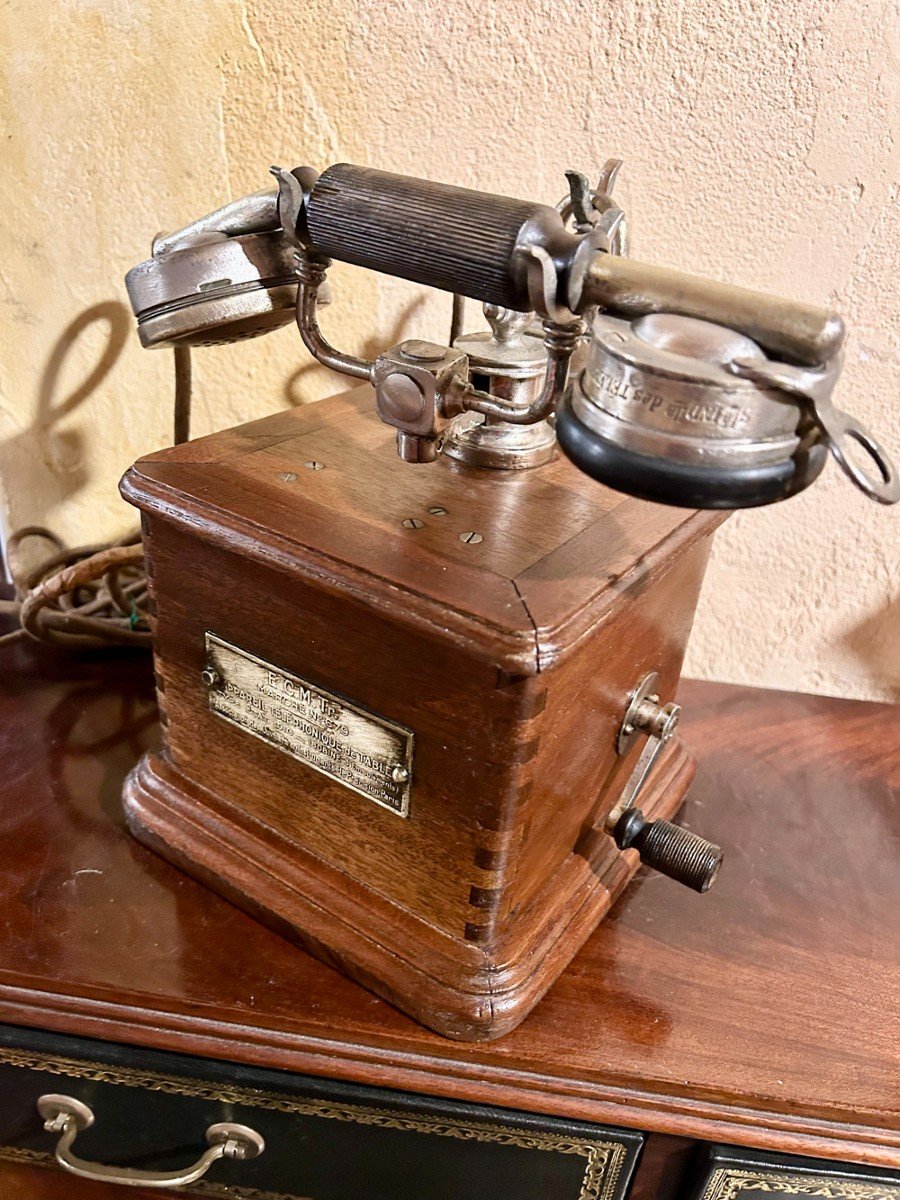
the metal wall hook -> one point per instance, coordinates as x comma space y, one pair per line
68, 1117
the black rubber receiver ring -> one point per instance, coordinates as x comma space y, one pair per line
680, 484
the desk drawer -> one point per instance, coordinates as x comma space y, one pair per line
324, 1140
729, 1173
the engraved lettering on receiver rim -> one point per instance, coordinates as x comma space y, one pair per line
698, 412
364, 752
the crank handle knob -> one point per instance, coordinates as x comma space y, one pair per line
669, 849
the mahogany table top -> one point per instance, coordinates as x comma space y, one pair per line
763, 1013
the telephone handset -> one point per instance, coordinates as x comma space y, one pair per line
664, 385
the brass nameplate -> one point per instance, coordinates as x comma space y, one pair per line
365, 753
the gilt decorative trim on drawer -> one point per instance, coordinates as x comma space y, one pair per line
727, 1184
604, 1159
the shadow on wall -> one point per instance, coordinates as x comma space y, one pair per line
875, 644
45, 459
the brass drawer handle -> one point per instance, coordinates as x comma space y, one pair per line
67, 1116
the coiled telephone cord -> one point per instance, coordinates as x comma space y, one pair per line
89, 597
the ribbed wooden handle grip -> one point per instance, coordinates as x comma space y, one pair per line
446, 237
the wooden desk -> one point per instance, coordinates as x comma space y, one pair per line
761, 1015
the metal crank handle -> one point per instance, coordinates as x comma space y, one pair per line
520, 254
665, 847
67, 1116
669, 849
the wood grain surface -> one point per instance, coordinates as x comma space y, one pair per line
557, 548
464, 913
763, 1014
46, 1181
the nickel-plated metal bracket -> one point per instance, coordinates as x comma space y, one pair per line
815, 385
420, 386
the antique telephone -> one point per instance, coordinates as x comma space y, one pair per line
435, 677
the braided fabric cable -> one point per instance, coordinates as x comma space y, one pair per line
88, 597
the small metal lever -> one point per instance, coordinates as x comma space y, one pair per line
644, 714
665, 847
67, 1116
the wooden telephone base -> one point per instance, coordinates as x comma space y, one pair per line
300, 548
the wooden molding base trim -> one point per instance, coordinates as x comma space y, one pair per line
461, 1078
474, 993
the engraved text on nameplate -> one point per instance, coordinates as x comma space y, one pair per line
364, 752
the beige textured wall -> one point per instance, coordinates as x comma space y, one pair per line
761, 141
